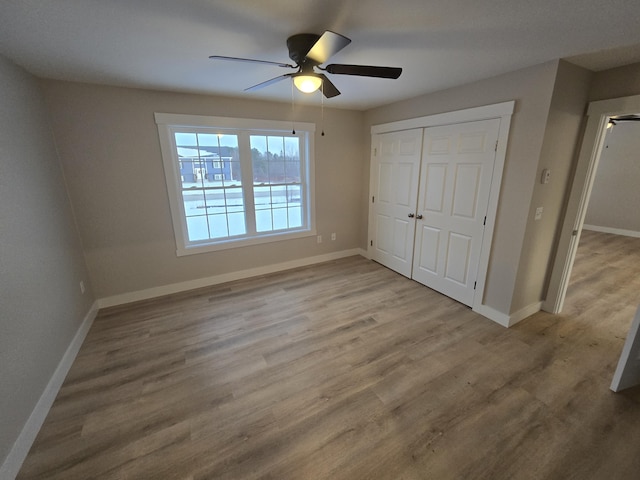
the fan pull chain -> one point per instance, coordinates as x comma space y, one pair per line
293, 122
322, 108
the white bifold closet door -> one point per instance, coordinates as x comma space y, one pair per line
395, 173
429, 213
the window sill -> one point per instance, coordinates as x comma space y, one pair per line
246, 242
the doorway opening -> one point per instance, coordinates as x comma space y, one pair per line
599, 115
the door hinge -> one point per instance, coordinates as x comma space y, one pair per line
373, 199
375, 152
372, 243
496, 148
485, 221
474, 285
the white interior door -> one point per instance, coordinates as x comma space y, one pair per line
394, 186
455, 182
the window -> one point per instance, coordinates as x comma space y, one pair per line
234, 182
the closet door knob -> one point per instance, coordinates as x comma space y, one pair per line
411, 215
419, 217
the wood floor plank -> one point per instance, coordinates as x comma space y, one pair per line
346, 370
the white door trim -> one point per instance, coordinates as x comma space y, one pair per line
497, 110
504, 111
598, 115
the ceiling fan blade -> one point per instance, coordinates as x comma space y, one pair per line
327, 45
250, 60
626, 118
364, 70
268, 82
329, 90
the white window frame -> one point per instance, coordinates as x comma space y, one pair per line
168, 123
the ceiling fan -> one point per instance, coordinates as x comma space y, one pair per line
309, 51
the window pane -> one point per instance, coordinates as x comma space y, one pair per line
293, 194
292, 149
292, 172
186, 139
259, 159
295, 217
268, 156
218, 226
200, 173
236, 224
262, 197
275, 156
232, 175
186, 172
194, 203
216, 204
234, 200
208, 139
216, 153
263, 220
276, 172
276, 162
259, 142
278, 196
197, 228
280, 218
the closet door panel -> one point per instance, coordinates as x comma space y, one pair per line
395, 171
457, 167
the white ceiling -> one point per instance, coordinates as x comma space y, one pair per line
165, 44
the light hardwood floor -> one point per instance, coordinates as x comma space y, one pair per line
346, 370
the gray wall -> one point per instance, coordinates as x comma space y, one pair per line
616, 82
532, 88
109, 148
615, 197
564, 128
41, 260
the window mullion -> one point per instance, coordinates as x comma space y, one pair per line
305, 180
246, 167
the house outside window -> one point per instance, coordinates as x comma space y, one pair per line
234, 182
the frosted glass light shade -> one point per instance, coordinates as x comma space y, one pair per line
307, 83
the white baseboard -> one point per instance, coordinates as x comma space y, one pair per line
494, 315
615, 231
524, 313
11, 466
504, 319
223, 278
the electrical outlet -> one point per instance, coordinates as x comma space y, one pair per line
82, 289
333, 236
319, 238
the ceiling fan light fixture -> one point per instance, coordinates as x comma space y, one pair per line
307, 83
